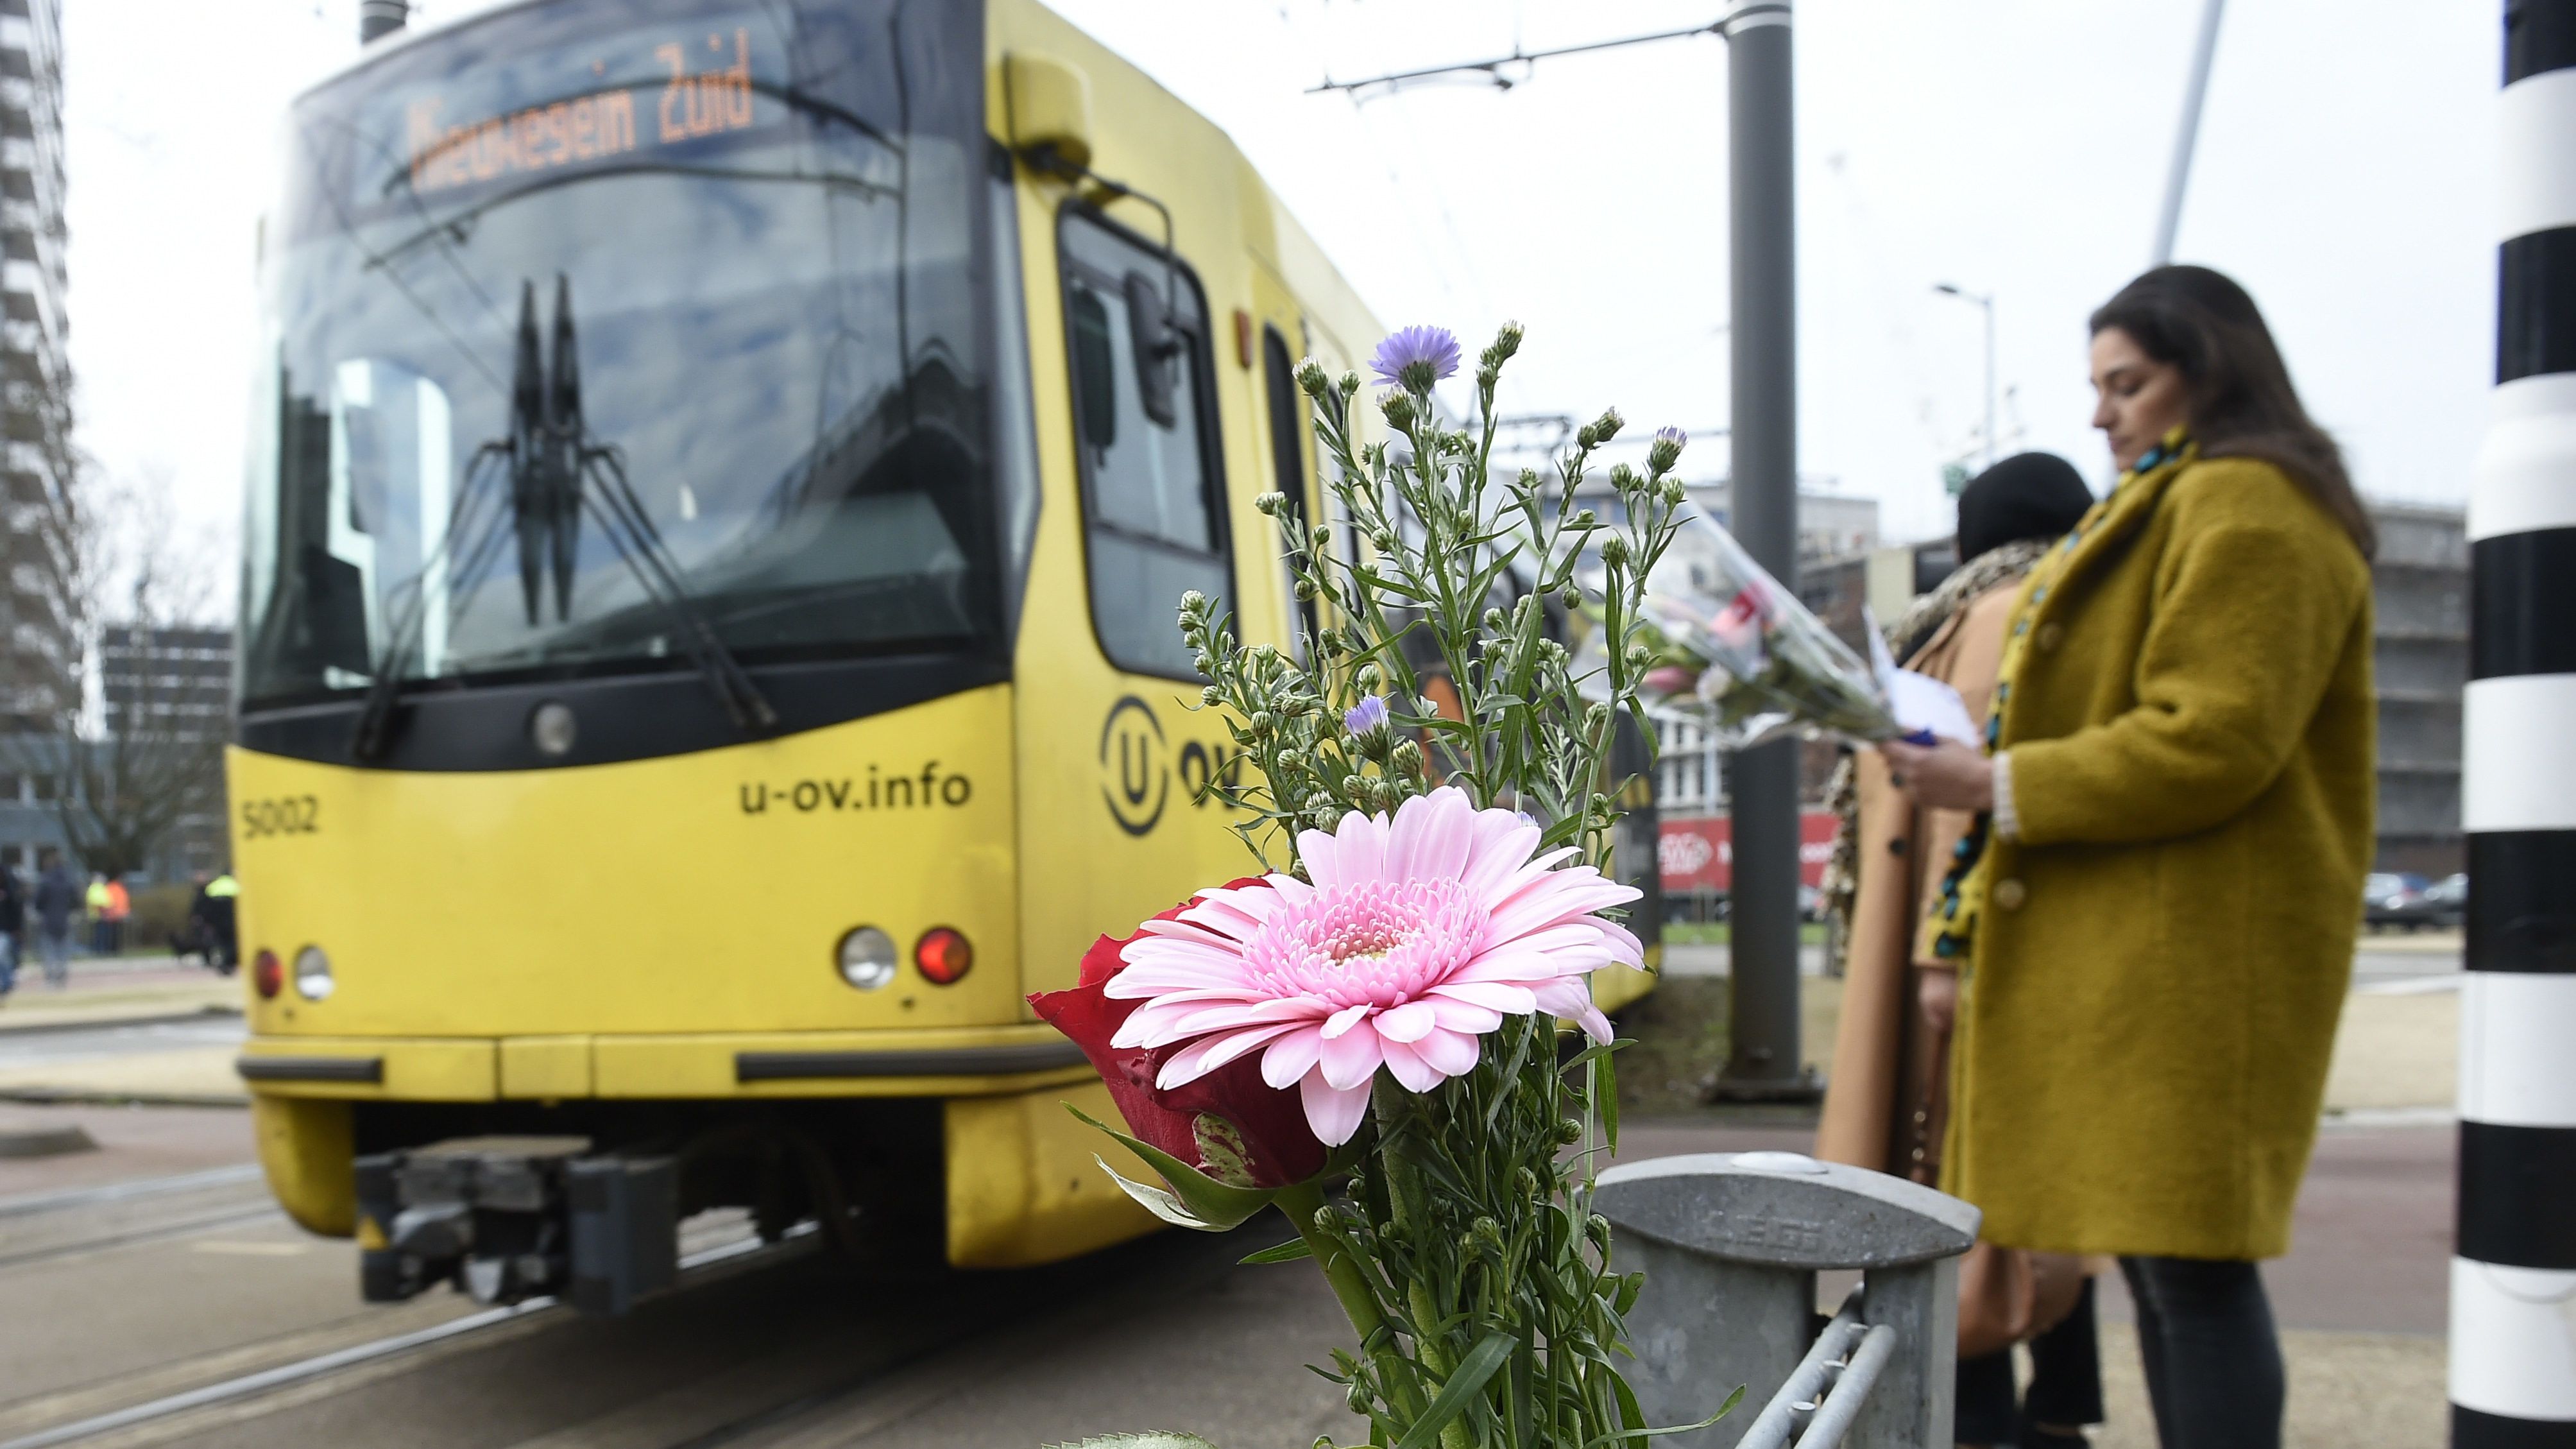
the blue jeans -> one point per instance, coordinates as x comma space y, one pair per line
57, 949
8, 962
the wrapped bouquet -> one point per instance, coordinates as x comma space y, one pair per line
1738, 653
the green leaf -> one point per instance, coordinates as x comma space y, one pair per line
1287, 1252
1465, 1384
1627, 1400
1194, 1199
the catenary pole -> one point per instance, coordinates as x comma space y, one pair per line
2513, 1273
2179, 175
1763, 1058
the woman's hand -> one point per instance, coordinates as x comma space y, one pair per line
1944, 775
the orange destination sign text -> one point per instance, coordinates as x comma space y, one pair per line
586, 128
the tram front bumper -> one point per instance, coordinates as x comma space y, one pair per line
939, 1062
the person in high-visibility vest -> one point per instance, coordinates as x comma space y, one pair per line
120, 905
212, 915
95, 900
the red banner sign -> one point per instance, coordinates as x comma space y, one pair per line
1700, 854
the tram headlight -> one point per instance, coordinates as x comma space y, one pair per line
267, 974
867, 958
943, 956
312, 974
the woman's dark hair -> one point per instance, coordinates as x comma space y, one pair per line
2026, 496
2242, 404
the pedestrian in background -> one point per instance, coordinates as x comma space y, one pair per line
120, 905
13, 926
2154, 913
58, 898
95, 902
1887, 1103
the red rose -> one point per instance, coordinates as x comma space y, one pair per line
1278, 1147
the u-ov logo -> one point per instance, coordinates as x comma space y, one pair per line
1135, 769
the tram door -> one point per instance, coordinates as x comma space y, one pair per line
1114, 748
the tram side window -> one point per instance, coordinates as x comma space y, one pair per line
1136, 329
1288, 459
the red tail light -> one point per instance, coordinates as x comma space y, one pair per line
267, 974
943, 956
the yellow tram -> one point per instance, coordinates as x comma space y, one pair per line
724, 477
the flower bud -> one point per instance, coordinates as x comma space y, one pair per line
1674, 493
1211, 696
1614, 550
1506, 342
1597, 1228
1203, 662
1324, 1220
1572, 598
1607, 426
1583, 518
1486, 377
1398, 408
1321, 540
1569, 1131
1408, 758
1625, 479
1525, 1182
1311, 379
1192, 601
1305, 588
1349, 384
1487, 1232
1263, 722
1666, 450
1270, 503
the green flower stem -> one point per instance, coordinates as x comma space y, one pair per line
1302, 1203
1405, 1196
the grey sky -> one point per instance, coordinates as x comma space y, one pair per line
2016, 146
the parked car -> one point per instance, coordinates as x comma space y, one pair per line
2447, 901
2395, 899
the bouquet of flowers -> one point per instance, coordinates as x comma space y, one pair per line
1366, 1034
1738, 653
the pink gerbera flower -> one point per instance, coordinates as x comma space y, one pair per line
1418, 935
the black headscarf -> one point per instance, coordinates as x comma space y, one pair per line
2028, 495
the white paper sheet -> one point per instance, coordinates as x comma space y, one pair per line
1919, 702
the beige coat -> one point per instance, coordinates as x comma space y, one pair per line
1884, 1045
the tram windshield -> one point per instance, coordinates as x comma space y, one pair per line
596, 313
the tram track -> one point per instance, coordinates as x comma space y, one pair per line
763, 1347
172, 1410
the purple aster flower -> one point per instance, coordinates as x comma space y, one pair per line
1413, 358
1366, 717
1666, 449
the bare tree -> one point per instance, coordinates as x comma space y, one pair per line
135, 755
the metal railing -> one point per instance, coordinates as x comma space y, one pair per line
1731, 1244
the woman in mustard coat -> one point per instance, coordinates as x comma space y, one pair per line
2155, 913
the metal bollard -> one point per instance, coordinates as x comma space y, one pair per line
1731, 1244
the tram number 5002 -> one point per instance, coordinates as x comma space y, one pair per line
286, 815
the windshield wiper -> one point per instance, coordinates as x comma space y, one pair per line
556, 472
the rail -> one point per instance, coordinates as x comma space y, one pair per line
1731, 1244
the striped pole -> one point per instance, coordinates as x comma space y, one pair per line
2513, 1275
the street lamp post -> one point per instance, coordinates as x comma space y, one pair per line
1986, 301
